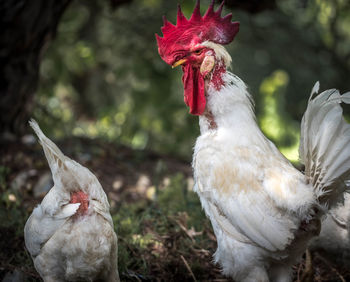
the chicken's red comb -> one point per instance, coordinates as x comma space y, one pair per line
210, 27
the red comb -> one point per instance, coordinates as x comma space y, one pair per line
197, 29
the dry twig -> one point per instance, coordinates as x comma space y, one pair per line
188, 268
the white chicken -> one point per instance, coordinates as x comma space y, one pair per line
70, 235
334, 239
263, 210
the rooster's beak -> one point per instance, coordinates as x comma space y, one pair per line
179, 62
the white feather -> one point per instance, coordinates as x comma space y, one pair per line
334, 239
325, 145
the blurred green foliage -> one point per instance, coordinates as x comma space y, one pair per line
103, 77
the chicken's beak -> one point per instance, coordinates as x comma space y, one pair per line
179, 62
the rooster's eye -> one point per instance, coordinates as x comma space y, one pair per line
198, 52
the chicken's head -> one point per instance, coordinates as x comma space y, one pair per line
190, 44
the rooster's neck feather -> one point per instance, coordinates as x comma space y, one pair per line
230, 107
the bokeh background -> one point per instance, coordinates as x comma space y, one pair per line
89, 72
102, 75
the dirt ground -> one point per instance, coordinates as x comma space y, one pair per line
163, 233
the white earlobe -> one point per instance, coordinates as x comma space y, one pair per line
207, 65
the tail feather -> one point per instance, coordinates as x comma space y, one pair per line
53, 154
62, 175
324, 150
325, 144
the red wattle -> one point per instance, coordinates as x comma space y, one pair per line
194, 94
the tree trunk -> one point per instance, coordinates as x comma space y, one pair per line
26, 29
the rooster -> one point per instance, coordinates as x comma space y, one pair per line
262, 209
70, 235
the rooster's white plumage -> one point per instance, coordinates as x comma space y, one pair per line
70, 235
262, 209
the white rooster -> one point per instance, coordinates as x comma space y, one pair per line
70, 235
263, 210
